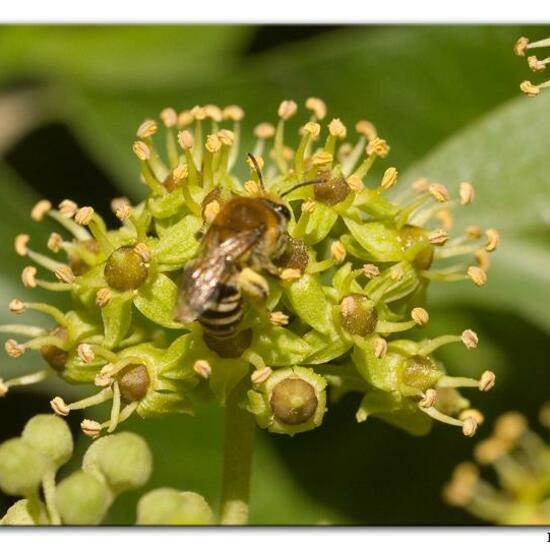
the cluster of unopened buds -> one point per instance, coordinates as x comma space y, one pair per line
521, 460
352, 278
521, 48
112, 465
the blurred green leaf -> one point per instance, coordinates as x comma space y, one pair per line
187, 453
506, 156
120, 57
417, 84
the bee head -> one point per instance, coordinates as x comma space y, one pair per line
281, 209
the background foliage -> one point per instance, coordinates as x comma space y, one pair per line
445, 98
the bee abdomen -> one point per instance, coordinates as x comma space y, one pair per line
223, 317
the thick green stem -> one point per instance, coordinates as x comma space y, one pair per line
237, 459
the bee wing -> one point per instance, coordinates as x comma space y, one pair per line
201, 278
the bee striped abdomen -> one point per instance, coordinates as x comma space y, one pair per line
222, 318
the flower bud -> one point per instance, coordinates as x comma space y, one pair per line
416, 238
290, 401
167, 506
123, 460
125, 269
22, 467
21, 513
331, 190
54, 356
133, 381
358, 315
419, 373
50, 436
82, 499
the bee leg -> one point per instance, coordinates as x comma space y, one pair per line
252, 283
272, 269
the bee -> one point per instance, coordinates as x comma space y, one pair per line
244, 239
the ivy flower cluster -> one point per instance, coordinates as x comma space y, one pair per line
535, 64
521, 460
352, 280
112, 465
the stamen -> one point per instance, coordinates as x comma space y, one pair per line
493, 240
103, 297
438, 237
389, 179
467, 193
86, 353
13, 349
40, 209
469, 339
537, 65
420, 316
380, 347
55, 242
28, 276
115, 409
185, 118
338, 252
65, 274
17, 306
477, 275
67, 208
371, 271
439, 192
146, 129
378, 147
487, 381
430, 395
278, 318
533, 90
318, 107
259, 376
202, 368
91, 428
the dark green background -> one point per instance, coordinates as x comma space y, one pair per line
446, 99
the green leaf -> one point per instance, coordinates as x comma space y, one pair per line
320, 223
117, 316
178, 243
279, 347
505, 156
115, 56
156, 299
309, 302
381, 243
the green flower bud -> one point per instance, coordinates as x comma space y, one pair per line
22, 467
134, 382
290, 401
414, 240
331, 190
23, 513
419, 373
54, 356
125, 269
229, 348
50, 436
293, 401
167, 506
82, 499
358, 315
123, 460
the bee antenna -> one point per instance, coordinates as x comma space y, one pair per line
302, 184
257, 169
